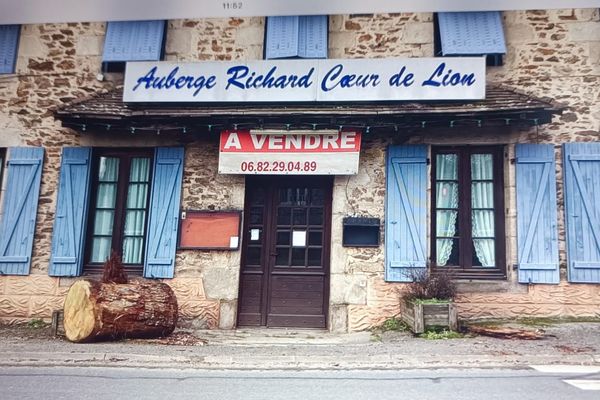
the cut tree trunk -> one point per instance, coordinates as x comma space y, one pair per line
99, 311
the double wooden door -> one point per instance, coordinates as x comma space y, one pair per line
284, 279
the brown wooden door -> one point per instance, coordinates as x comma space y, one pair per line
284, 280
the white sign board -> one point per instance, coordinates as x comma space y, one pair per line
452, 78
287, 153
44, 11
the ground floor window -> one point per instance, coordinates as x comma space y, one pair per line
467, 218
118, 211
126, 200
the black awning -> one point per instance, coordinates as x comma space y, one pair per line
502, 106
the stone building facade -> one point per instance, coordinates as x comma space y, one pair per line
552, 55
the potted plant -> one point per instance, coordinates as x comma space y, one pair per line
427, 302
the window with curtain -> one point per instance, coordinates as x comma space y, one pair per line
119, 210
468, 211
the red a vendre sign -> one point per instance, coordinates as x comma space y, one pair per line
289, 153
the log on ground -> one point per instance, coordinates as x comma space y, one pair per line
506, 333
103, 311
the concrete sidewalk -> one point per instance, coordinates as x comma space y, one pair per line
572, 343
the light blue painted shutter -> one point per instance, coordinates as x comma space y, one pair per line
406, 203
9, 44
133, 41
312, 36
17, 226
582, 194
282, 37
68, 235
463, 33
537, 235
117, 41
164, 213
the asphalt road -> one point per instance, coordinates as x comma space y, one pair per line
24, 383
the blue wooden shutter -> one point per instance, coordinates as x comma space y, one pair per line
17, 226
133, 41
537, 235
9, 43
582, 191
406, 203
312, 36
463, 33
118, 41
282, 37
163, 220
68, 235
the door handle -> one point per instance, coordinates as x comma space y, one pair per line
274, 254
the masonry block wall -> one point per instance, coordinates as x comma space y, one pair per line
58, 63
551, 54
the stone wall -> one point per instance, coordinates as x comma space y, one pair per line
58, 63
216, 271
551, 54
381, 36
54, 66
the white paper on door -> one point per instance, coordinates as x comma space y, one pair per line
299, 238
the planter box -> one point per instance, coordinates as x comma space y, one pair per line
419, 316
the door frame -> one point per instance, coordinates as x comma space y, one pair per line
271, 183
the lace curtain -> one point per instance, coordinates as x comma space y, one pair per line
446, 198
135, 210
135, 215
482, 203
108, 174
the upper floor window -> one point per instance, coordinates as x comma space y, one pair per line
470, 34
9, 44
132, 41
296, 37
468, 214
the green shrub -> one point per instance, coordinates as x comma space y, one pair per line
444, 334
393, 324
36, 323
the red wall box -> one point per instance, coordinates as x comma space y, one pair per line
210, 230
